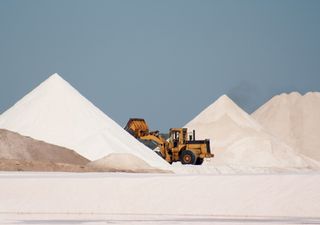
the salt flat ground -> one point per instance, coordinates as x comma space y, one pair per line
118, 198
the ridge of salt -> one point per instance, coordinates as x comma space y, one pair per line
294, 122
235, 135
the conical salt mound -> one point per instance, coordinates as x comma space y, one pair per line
224, 106
57, 113
238, 140
224, 122
294, 118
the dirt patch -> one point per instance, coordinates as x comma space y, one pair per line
18, 165
17, 147
38, 166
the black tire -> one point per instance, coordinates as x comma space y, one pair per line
199, 161
187, 157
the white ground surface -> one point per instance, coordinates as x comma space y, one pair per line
113, 198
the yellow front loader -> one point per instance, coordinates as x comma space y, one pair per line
180, 146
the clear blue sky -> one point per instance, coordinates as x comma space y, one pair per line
162, 60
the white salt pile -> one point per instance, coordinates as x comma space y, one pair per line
124, 162
239, 142
57, 113
295, 119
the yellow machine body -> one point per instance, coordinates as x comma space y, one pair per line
179, 147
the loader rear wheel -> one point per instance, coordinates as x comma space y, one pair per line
199, 161
187, 157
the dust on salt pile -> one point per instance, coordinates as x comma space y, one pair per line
294, 118
57, 113
241, 144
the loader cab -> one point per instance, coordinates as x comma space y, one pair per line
192, 135
178, 136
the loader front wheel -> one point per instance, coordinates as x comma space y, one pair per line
187, 157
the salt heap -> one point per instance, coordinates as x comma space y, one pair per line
240, 142
294, 118
57, 113
122, 162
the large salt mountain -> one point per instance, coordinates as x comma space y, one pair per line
57, 113
294, 118
239, 141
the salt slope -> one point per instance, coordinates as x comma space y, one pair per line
294, 118
239, 142
57, 113
122, 162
